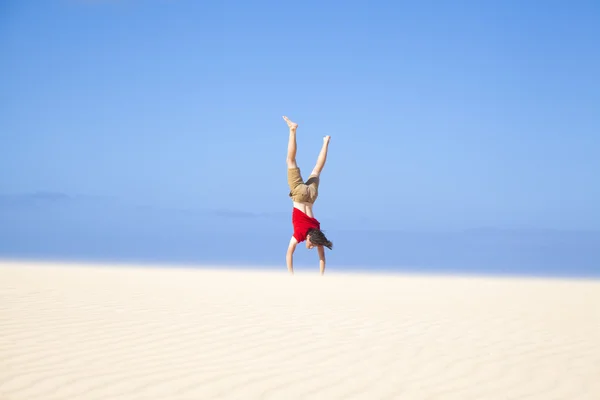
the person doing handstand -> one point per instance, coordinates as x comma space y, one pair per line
304, 194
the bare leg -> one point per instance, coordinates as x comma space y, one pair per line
291, 152
322, 157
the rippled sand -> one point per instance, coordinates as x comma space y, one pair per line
105, 332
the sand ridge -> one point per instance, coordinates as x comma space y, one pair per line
108, 332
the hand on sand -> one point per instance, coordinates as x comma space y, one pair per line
292, 125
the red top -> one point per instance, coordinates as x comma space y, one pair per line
302, 223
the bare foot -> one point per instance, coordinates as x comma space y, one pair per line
326, 139
292, 125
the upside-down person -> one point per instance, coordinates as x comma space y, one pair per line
304, 194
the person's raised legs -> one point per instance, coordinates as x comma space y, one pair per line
291, 151
322, 157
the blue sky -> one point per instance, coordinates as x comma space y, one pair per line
443, 117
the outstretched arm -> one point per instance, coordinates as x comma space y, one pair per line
321, 251
289, 257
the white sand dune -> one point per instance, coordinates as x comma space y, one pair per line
102, 332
